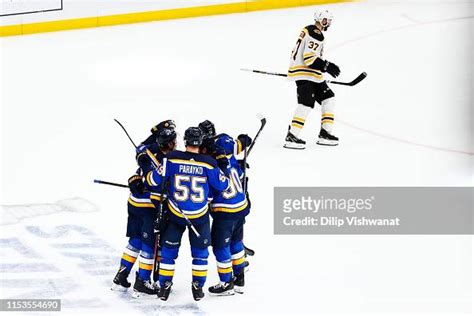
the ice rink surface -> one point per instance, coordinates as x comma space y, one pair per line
408, 124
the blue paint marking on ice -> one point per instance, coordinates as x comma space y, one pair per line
27, 267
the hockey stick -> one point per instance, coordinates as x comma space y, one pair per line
358, 79
245, 168
111, 183
155, 161
249, 252
263, 122
159, 219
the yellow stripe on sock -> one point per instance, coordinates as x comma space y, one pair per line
199, 273
224, 270
238, 261
129, 258
166, 272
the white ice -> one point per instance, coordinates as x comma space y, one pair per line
408, 124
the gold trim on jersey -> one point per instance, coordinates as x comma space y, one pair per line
196, 214
304, 71
139, 202
229, 208
192, 162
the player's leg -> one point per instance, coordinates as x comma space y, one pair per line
325, 96
221, 233
130, 252
143, 284
305, 92
200, 254
169, 252
238, 255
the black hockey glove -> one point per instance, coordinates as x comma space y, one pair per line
245, 140
241, 164
326, 66
332, 69
135, 183
143, 160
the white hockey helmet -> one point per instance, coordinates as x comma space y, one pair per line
324, 17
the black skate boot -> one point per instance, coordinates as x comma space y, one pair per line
239, 283
142, 287
327, 139
222, 289
198, 294
293, 142
120, 280
165, 291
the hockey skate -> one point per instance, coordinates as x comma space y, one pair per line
327, 139
239, 283
165, 291
293, 142
222, 289
198, 293
143, 288
120, 280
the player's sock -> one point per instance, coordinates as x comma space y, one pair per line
224, 263
327, 116
297, 123
130, 253
145, 262
200, 256
166, 272
238, 257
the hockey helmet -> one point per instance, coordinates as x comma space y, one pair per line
208, 129
324, 17
193, 136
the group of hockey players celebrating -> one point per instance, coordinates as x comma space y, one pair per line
173, 190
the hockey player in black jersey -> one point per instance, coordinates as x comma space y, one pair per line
141, 216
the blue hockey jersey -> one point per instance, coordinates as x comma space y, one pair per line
191, 177
145, 200
232, 202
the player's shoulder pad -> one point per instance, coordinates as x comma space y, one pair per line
205, 159
314, 32
178, 156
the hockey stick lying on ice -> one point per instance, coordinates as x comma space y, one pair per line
359, 78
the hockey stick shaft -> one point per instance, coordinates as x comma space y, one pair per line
263, 122
352, 83
155, 161
111, 183
245, 168
156, 262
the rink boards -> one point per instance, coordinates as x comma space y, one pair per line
78, 17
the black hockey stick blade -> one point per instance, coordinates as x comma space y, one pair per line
249, 252
359, 78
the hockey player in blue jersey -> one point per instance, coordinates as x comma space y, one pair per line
228, 209
191, 176
141, 217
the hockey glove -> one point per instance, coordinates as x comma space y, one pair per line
144, 161
242, 166
245, 140
332, 69
135, 183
